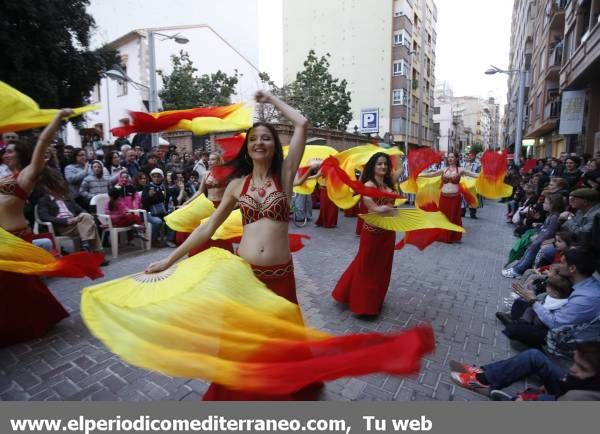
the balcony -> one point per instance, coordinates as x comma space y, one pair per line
552, 110
554, 62
547, 123
555, 13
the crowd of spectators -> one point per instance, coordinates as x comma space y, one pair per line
555, 210
157, 181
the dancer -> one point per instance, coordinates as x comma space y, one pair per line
263, 189
328, 211
450, 198
28, 309
365, 282
213, 188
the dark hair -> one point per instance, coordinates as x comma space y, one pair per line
560, 284
557, 203
456, 155
73, 159
369, 171
114, 193
569, 238
53, 183
590, 352
575, 159
108, 158
194, 173
24, 151
584, 260
242, 163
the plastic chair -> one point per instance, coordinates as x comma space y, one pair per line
59, 240
107, 227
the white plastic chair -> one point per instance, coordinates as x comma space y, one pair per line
107, 227
59, 240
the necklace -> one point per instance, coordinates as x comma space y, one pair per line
262, 189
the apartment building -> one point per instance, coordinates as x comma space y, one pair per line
558, 43
388, 59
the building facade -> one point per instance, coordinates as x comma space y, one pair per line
558, 43
388, 59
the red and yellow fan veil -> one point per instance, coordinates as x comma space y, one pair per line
19, 112
19, 256
311, 153
209, 317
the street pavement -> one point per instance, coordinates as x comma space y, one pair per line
456, 288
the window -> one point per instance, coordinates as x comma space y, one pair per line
96, 94
401, 37
398, 96
400, 67
398, 126
436, 110
122, 85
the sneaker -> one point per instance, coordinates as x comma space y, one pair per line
504, 317
457, 366
171, 244
468, 380
510, 273
499, 395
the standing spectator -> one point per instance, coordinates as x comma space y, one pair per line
472, 165
76, 172
4, 170
98, 182
130, 163
194, 182
174, 164
201, 166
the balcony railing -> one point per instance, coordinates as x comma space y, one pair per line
556, 55
552, 110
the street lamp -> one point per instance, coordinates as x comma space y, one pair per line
520, 106
153, 100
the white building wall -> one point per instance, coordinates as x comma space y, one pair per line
444, 118
358, 35
209, 53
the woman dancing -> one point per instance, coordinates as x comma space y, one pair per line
365, 282
28, 309
450, 198
213, 188
262, 186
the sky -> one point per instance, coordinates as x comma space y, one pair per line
472, 35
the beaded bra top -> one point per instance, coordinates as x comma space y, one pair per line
8, 185
275, 206
211, 182
452, 179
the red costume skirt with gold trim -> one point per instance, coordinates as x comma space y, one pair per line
328, 212
279, 279
365, 282
450, 205
28, 309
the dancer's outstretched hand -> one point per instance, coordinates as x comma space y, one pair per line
157, 267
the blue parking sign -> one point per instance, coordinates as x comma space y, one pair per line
369, 121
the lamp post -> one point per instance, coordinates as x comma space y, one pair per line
520, 106
153, 97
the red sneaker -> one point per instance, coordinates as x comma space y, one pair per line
469, 381
457, 366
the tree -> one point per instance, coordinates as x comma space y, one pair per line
323, 99
267, 112
183, 89
45, 51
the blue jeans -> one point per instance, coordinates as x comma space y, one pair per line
156, 223
546, 255
505, 372
302, 207
527, 260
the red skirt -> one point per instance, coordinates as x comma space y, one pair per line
359, 222
450, 205
328, 212
365, 282
279, 279
352, 212
28, 309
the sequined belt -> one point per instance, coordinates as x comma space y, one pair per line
273, 271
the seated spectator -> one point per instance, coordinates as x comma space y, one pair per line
112, 163
557, 185
522, 324
153, 201
153, 162
553, 205
174, 164
194, 182
591, 177
578, 265
4, 170
118, 210
583, 376
98, 182
68, 218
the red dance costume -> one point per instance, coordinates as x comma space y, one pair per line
278, 278
359, 222
28, 309
328, 212
450, 205
365, 282
180, 237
